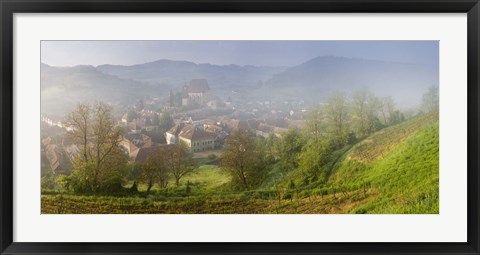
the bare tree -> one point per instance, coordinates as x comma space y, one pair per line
243, 159
155, 169
430, 100
106, 136
79, 122
97, 136
179, 161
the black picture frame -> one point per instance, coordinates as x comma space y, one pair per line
9, 7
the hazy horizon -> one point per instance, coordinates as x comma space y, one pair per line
242, 53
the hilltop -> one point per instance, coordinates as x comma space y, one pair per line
319, 76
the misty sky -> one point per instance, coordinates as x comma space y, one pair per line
259, 53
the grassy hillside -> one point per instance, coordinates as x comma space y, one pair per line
400, 163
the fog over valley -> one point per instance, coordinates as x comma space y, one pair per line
239, 127
62, 88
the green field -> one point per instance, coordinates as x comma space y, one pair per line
394, 170
205, 178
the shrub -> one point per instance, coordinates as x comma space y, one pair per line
48, 183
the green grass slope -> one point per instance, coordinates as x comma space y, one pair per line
399, 165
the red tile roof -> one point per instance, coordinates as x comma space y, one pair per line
194, 133
175, 130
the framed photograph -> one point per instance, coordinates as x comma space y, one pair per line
261, 127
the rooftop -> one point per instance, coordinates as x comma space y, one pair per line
144, 153
198, 86
194, 133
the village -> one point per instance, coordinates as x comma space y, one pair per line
194, 116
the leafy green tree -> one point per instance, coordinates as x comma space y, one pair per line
365, 109
156, 119
272, 145
337, 117
314, 122
131, 115
396, 117
166, 121
313, 156
48, 182
243, 159
291, 145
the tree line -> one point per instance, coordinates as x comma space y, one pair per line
170, 161
341, 121
102, 166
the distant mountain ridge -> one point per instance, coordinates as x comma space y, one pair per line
312, 80
322, 75
177, 73
64, 87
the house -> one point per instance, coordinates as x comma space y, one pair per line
196, 92
212, 128
215, 103
137, 125
157, 136
132, 143
145, 153
144, 122
56, 156
195, 137
172, 134
236, 124
57, 159
70, 148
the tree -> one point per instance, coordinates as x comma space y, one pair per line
178, 99
396, 117
156, 119
290, 146
166, 121
272, 147
314, 122
336, 117
430, 100
155, 169
314, 155
100, 160
179, 161
388, 111
365, 108
80, 120
243, 159
131, 115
